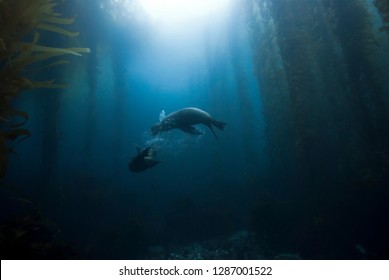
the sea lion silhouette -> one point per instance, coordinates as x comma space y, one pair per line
184, 119
143, 160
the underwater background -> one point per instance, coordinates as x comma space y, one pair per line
301, 170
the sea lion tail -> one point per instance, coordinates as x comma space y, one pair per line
219, 125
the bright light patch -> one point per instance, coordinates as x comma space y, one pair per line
123, 11
177, 10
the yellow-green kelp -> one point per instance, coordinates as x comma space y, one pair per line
21, 19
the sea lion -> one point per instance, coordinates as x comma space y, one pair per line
184, 119
143, 160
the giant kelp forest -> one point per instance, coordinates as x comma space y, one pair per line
23, 54
17, 54
301, 171
323, 69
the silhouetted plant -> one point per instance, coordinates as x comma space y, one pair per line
19, 20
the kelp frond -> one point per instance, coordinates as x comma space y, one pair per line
59, 51
22, 116
55, 63
19, 19
53, 28
14, 134
57, 20
47, 84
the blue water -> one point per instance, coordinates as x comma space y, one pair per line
295, 173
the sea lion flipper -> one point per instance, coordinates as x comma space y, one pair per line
150, 162
191, 130
213, 131
137, 148
219, 125
144, 160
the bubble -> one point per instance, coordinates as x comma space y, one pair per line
173, 142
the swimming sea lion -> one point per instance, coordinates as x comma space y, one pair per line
143, 160
184, 119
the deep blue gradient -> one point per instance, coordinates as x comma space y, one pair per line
291, 176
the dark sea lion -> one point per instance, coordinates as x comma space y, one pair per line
184, 119
143, 160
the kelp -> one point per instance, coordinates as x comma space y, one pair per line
271, 75
19, 20
383, 9
44, 26
322, 85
